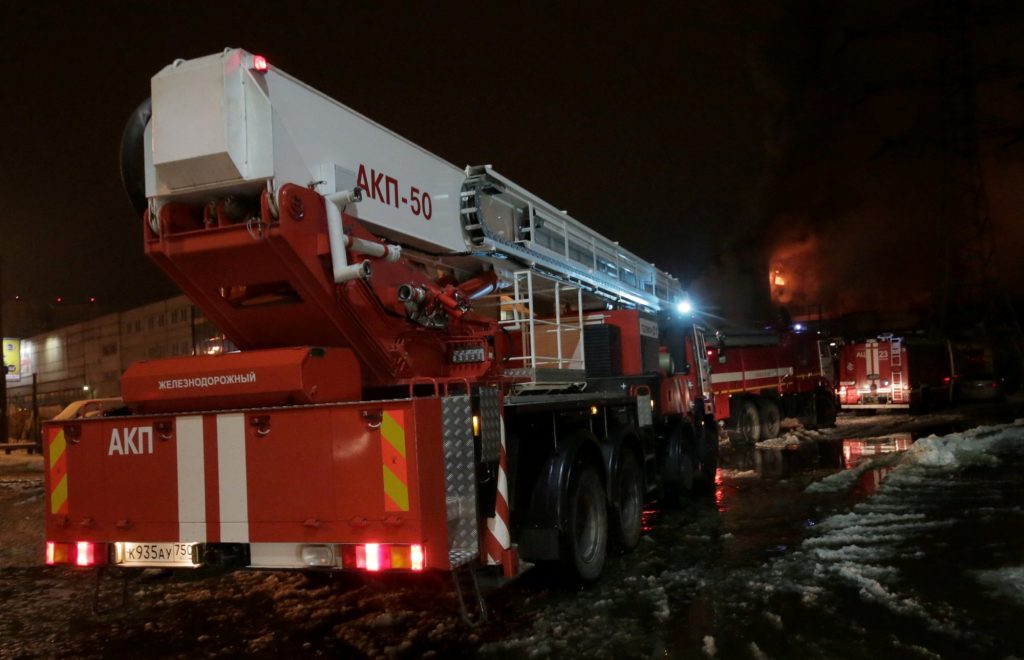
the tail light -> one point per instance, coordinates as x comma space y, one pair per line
375, 557
85, 553
79, 553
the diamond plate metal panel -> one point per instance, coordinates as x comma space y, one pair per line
490, 424
460, 479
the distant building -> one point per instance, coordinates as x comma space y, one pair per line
86, 359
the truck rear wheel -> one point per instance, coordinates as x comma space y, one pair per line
585, 538
679, 462
627, 511
771, 418
748, 422
708, 452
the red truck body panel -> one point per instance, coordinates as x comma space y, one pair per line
366, 472
274, 377
794, 364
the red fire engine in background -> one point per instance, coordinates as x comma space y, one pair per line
894, 373
759, 379
438, 369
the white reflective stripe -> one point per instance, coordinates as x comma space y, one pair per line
751, 375
232, 479
191, 480
497, 527
874, 360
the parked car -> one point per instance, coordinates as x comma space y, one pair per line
979, 387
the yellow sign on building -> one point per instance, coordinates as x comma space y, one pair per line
12, 358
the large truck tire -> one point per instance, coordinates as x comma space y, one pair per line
679, 463
707, 453
771, 417
748, 422
585, 538
133, 165
628, 508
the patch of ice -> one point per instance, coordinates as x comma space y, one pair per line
774, 619
737, 474
852, 553
874, 591
846, 520
1007, 582
918, 651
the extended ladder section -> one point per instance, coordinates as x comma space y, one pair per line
499, 216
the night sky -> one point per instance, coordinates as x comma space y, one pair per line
715, 139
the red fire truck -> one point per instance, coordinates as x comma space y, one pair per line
759, 379
893, 373
438, 369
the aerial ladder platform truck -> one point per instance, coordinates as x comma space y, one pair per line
437, 369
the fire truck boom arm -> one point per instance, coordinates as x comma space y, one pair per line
223, 126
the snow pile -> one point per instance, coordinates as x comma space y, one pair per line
923, 495
976, 447
791, 439
580, 625
972, 447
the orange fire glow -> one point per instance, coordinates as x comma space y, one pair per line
793, 272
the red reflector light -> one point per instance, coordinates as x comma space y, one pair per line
80, 553
945, 380
259, 63
383, 556
59, 553
85, 555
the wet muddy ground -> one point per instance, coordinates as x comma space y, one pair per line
846, 543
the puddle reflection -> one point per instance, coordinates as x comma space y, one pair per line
856, 450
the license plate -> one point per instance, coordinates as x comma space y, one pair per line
155, 554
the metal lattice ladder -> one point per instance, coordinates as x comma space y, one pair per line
551, 348
896, 365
